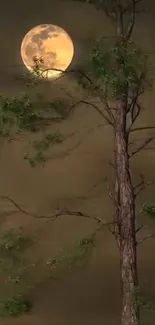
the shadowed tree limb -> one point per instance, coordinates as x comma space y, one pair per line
41, 73
146, 237
132, 10
58, 214
143, 128
139, 187
107, 108
141, 147
143, 187
99, 111
139, 228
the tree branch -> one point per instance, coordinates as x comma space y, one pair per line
131, 23
141, 147
132, 11
142, 187
99, 111
143, 128
58, 214
134, 103
146, 237
139, 228
134, 113
109, 110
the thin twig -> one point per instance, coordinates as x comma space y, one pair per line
146, 237
99, 111
131, 22
141, 147
143, 187
143, 128
140, 183
139, 228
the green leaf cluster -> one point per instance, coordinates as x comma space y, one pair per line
12, 245
74, 255
41, 148
150, 209
121, 69
15, 307
16, 114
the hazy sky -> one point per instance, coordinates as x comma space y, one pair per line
18, 17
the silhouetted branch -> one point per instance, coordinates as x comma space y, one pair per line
58, 214
143, 128
141, 147
76, 71
141, 182
99, 111
138, 229
107, 108
134, 108
132, 21
134, 113
141, 186
146, 237
112, 165
70, 150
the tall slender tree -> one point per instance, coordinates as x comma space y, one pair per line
120, 76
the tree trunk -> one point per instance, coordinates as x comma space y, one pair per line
127, 240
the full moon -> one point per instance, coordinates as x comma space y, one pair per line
45, 48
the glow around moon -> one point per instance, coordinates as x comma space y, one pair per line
47, 47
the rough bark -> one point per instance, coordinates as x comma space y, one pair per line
127, 240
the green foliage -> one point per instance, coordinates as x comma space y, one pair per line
11, 245
16, 114
54, 138
73, 256
13, 242
15, 307
150, 210
21, 114
41, 147
123, 66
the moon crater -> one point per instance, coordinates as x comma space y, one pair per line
49, 47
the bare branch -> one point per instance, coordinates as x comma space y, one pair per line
143, 187
58, 214
44, 71
139, 228
134, 113
141, 182
120, 20
141, 147
146, 237
112, 165
109, 110
131, 23
134, 108
132, 10
143, 128
137, 1
99, 111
